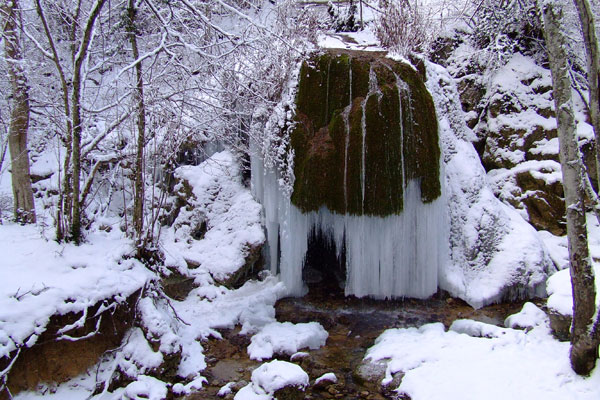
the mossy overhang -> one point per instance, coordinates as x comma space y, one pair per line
365, 125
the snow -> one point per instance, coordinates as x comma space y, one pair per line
529, 317
137, 355
225, 390
146, 387
232, 217
270, 377
40, 278
474, 360
494, 253
298, 356
277, 374
560, 295
364, 40
286, 338
328, 377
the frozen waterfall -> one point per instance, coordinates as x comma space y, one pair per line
386, 257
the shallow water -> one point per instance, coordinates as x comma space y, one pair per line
353, 325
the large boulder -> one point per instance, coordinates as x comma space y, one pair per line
495, 254
215, 212
365, 126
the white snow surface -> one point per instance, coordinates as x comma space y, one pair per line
40, 277
529, 317
560, 294
494, 253
286, 338
474, 360
278, 374
328, 377
232, 217
270, 377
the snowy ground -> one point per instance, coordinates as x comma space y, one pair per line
40, 278
473, 360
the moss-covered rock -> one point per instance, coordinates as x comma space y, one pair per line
365, 126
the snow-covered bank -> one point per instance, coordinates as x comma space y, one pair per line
474, 360
40, 278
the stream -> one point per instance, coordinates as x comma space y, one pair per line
353, 325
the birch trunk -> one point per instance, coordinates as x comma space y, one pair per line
24, 207
138, 200
590, 39
584, 341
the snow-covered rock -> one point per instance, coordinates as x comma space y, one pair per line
494, 253
286, 338
219, 232
505, 364
529, 317
327, 378
146, 387
61, 291
273, 377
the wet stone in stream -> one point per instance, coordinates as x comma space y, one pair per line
353, 325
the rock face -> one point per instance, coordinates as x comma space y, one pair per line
364, 127
495, 255
367, 180
520, 153
213, 210
512, 113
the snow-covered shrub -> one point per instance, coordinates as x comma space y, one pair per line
343, 18
404, 27
504, 27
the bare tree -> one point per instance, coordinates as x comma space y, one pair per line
590, 40
24, 207
138, 196
585, 336
71, 206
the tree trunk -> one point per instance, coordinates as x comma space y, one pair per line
24, 207
63, 213
584, 344
138, 200
76, 117
590, 39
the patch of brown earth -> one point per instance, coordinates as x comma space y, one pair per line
55, 360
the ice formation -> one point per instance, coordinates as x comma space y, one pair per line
386, 257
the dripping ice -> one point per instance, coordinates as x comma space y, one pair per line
386, 257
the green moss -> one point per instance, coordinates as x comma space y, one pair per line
360, 77
383, 155
328, 137
312, 91
338, 83
420, 134
354, 163
385, 75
